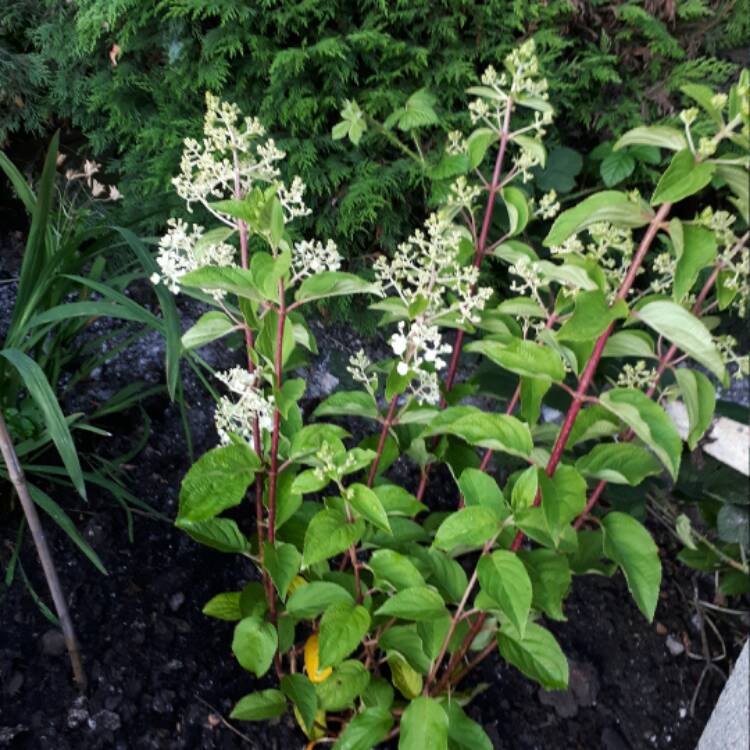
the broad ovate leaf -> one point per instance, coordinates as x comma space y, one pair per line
649, 422
628, 543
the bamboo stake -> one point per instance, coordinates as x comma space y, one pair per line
15, 473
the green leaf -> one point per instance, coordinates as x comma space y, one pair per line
337, 692
302, 693
503, 577
333, 284
216, 481
222, 534
703, 95
418, 111
655, 135
479, 488
525, 358
591, 317
533, 391
468, 527
699, 396
348, 403
632, 548
562, 166
424, 725
365, 730
736, 179
517, 208
649, 422
478, 143
237, 281
450, 165
499, 432
395, 569
682, 328
282, 562
537, 655
366, 502
464, 733
224, 606
563, 498
619, 463
407, 641
254, 644
698, 250
342, 628
265, 704
396, 500
405, 678
65, 523
608, 206
525, 489
550, 579
447, 575
39, 389
684, 177
209, 327
309, 600
630, 344
616, 167
417, 603
328, 534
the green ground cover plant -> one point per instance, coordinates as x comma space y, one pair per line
373, 603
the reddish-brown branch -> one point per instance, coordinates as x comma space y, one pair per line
664, 363
387, 423
587, 376
483, 234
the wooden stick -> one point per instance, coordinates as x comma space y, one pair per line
15, 473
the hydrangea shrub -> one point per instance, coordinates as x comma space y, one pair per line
371, 604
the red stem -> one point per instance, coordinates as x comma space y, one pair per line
381, 442
664, 363
479, 254
584, 382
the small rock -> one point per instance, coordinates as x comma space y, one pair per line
674, 646
584, 683
14, 683
562, 701
7, 734
78, 713
53, 643
108, 720
661, 629
176, 601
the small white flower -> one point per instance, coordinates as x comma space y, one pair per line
402, 368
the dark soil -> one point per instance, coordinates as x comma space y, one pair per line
161, 674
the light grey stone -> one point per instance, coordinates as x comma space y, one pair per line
727, 729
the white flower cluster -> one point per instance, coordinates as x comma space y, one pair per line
664, 268
522, 80
463, 194
456, 143
359, 363
426, 271
238, 416
548, 206
312, 256
233, 156
179, 254
528, 279
638, 376
727, 346
610, 247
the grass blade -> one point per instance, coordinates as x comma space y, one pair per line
39, 389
